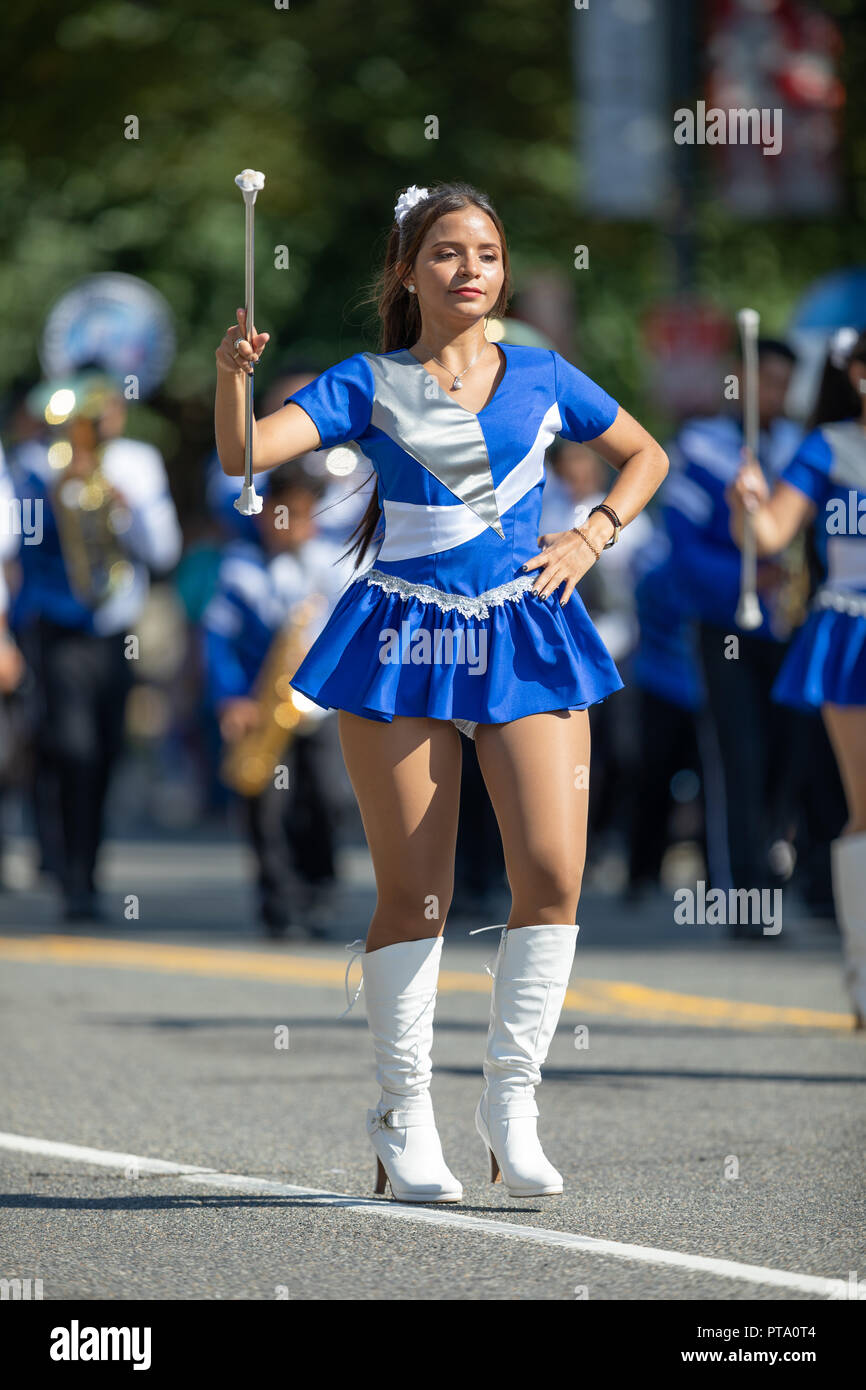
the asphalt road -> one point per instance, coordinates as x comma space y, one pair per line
715, 1115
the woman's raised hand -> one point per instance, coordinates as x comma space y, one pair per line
236, 353
749, 489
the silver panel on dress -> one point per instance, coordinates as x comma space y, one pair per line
848, 442
411, 408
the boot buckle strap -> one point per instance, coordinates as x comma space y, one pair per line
399, 1119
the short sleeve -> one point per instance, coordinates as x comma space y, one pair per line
339, 401
809, 468
585, 409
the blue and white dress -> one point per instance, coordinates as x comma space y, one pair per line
443, 623
826, 663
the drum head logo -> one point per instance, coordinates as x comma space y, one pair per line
118, 322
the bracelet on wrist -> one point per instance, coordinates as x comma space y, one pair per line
613, 518
577, 531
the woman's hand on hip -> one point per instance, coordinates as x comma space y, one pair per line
566, 557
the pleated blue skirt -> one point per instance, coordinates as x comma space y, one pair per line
384, 653
826, 662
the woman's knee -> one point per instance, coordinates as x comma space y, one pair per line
547, 892
411, 909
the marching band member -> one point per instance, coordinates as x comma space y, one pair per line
578, 483
11, 660
825, 668
743, 805
262, 584
461, 621
108, 519
670, 700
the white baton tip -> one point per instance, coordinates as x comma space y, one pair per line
250, 180
749, 615
748, 318
249, 503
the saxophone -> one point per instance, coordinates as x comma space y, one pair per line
789, 605
89, 518
248, 764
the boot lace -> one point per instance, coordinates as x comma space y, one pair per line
357, 948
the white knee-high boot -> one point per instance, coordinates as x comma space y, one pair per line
400, 984
848, 859
529, 984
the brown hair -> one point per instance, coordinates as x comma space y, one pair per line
399, 314
837, 399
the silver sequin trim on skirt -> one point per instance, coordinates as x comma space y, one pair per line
842, 601
469, 605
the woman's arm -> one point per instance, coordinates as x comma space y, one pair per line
276, 438
776, 518
642, 465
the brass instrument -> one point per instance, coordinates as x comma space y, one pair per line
789, 605
89, 518
248, 764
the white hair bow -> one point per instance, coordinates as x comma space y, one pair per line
407, 201
841, 344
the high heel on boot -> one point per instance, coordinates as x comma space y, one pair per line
524, 1171
381, 1177
409, 1156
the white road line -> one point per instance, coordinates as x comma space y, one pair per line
640, 1254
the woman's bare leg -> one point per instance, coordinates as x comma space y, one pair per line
846, 726
536, 770
406, 777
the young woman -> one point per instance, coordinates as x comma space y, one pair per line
825, 668
461, 623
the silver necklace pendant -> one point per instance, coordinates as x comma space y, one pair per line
457, 384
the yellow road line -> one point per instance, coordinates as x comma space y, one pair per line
605, 998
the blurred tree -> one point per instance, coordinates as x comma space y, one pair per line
335, 103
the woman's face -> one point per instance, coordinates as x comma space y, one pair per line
461, 253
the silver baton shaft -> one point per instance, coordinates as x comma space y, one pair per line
749, 615
250, 182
